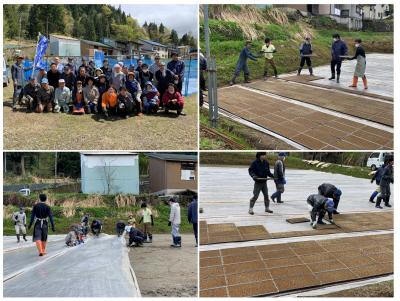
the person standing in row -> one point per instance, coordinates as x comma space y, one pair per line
279, 178
242, 63
259, 171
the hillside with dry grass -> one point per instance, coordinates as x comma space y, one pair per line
231, 25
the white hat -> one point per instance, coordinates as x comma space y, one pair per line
61, 81
117, 66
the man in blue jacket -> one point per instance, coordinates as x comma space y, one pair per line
178, 68
339, 48
377, 176
242, 63
259, 171
305, 55
192, 217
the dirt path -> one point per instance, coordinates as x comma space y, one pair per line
164, 271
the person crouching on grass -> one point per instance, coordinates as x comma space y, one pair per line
126, 105
109, 101
151, 100
173, 100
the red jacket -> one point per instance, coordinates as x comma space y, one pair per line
167, 97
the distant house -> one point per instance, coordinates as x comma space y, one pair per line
64, 46
88, 48
131, 48
183, 51
110, 173
376, 11
349, 15
155, 48
172, 173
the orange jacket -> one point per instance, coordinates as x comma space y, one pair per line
108, 100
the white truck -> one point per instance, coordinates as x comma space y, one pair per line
376, 160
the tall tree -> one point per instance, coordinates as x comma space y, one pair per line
174, 37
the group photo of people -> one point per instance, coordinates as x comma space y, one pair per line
110, 90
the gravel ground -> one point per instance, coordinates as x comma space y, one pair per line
163, 271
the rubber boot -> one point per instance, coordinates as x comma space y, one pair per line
150, 238
354, 84
311, 71
279, 198
233, 80
18, 240
387, 202
247, 79
273, 196
372, 197
299, 71
338, 77
251, 212
44, 243
365, 82
332, 76
39, 247
173, 241
179, 241
378, 202
24, 236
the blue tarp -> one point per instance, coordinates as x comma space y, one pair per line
190, 85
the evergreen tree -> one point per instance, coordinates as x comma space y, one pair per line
174, 37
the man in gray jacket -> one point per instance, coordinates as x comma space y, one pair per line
279, 178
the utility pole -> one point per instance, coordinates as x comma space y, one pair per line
19, 31
55, 169
212, 75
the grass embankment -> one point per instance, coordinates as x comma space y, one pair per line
68, 209
292, 161
227, 40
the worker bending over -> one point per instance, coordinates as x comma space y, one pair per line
330, 191
318, 205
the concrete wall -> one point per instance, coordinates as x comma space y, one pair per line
110, 174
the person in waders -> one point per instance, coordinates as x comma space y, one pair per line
41, 213
360, 66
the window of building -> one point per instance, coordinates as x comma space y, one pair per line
188, 171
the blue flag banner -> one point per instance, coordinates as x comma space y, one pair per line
98, 58
40, 51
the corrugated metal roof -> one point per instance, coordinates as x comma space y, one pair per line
153, 43
173, 156
58, 36
96, 43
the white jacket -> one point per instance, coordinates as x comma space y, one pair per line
175, 214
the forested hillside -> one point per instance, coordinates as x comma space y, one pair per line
91, 22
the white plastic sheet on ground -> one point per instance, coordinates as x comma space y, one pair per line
226, 191
98, 268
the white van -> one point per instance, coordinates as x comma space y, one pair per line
376, 160
25, 191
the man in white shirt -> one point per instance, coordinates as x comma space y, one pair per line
268, 49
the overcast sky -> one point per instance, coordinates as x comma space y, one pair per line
182, 18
